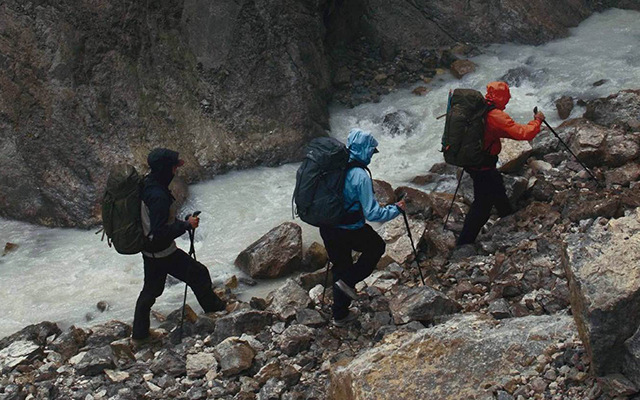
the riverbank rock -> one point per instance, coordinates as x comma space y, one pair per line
422, 304
234, 355
384, 192
239, 322
398, 248
277, 253
514, 154
19, 352
315, 258
429, 363
621, 109
287, 300
605, 292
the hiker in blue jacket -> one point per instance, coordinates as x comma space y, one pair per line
355, 233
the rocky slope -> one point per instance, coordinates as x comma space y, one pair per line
539, 308
231, 84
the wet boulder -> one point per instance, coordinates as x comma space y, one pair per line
169, 363
95, 361
624, 175
277, 253
69, 342
515, 77
384, 192
460, 68
287, 300
398, 248
237, 323
37, 333
513, 155
600, 266
621, 109
18, 353
104, 334
294, 339
427, 364
315, 258
9, 247
234, 356
420, 303
200, 363
397, 122
564, 105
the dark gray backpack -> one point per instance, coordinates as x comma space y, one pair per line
121, 204
319, 191
463, 137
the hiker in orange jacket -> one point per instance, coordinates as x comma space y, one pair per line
488, 186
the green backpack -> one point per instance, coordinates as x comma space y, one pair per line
121, 219
463, 137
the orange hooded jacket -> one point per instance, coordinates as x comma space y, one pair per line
498, 124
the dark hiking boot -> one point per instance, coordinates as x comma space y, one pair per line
352, 316
349, 291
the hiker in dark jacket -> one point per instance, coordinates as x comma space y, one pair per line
488, 185
355, 233
160, 254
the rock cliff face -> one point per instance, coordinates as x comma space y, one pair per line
231, 84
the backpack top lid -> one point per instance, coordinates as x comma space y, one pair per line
327, 152
121, 179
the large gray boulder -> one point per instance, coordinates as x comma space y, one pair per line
277, 253
455, 360
601, 266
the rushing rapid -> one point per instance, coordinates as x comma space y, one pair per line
60, 274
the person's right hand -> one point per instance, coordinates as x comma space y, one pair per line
194, 222
401, 205
539, 116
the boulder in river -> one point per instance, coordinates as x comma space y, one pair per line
277, 253
9, 247
460, 68
564, 105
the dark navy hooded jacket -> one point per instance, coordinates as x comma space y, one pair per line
158, 206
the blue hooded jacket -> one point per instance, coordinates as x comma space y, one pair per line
358, 187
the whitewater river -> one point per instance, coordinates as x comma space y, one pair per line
60, 274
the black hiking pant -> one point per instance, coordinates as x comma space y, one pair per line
488, 191
181, 266
339, 244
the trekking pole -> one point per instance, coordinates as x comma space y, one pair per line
326, 282
192, 253
415, 253
444, 227
535, 111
